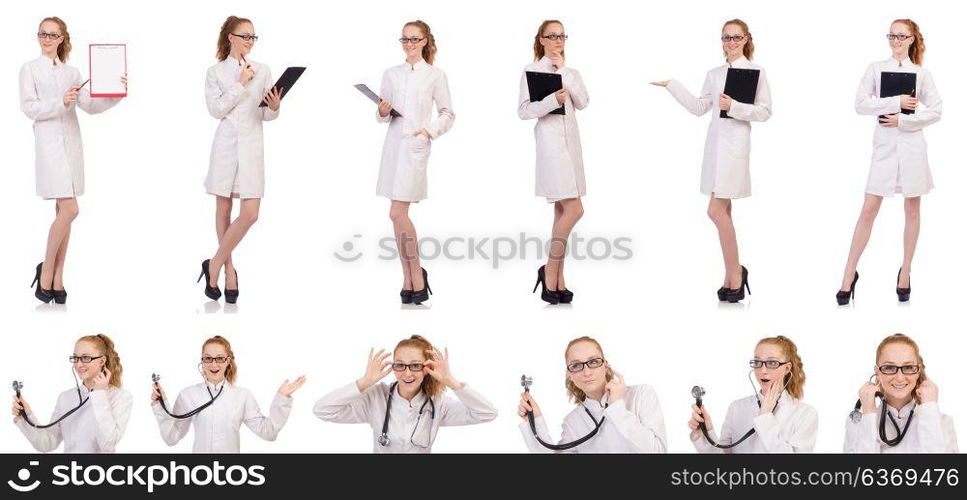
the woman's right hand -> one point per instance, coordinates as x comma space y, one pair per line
247, 74
157, 393
385, 107
527, 404
376, 369
867, 396
908, 102
699, 416
20, 404
661, 83
71, 95
561, 96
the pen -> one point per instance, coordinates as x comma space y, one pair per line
83, 84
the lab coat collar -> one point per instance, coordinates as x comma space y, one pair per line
235, 62
546, 61
902, 412
905, 63
46, 62
741, 62
416, 402
420, 65
592, 404
214, 387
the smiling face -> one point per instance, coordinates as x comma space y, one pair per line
214, 372
765, 376
589, 380
239, 45
47, 45
897, 387
409, 381
733, 48
90, 370
901, 49
413, 50
552, 46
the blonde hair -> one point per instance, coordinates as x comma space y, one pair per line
575, 394
231, 371
749, 48
899, 338
429, 50
538, 48
795, 380
112, 362
430, 386
918, 47
224, 47
64, 49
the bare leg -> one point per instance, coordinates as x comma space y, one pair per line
571, 212
911, 232
558, 212
408, 245
61, 257
223, 219
861, 236
247, 216
720, 211
66, 211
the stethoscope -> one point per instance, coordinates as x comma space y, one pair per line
155, 378
81, 401
383, 438
856, 415
698, 392
526, 383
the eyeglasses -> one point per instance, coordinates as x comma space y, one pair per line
900, 37
579, 365
771, 364
905, 369
733, 38
555, 38
247, 38
83, 359
49, 36
209, 359
413, 41
401, 367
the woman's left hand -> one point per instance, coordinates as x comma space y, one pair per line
891, 121
928, 391
438, 366
771, 398
617, 388
273, 98
287, 388
725, 102
423, 132
102, 380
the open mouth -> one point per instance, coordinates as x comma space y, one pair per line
899, 385
409, 380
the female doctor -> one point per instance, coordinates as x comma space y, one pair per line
911, 406
216, 427
234, 89
50, 93
406, 415
560, 166
632, 418
99, 423
725, 167
411, 89
781, 421
899, 162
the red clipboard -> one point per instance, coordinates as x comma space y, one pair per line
96, 77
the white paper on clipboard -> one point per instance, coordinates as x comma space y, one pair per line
108, 65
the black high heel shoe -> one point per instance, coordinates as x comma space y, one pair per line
549, 296
42, 294
60, 296
231, 294
844, 296
566, 296
723, 293
902, 294
406, 296
212, 292
734, 295
420, 296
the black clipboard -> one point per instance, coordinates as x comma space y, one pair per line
741, 85
541, 85
375, 98
287, 81
893, 83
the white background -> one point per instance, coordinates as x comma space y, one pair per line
145, 222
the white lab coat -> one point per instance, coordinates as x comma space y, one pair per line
57, 134
930, 432
633, 425
216, 427
560, 165
899, 163
237, 164
413, 92
725, 166
95, 428
347, 405
790, 428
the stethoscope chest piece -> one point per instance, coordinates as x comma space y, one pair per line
383, 440
856, 416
